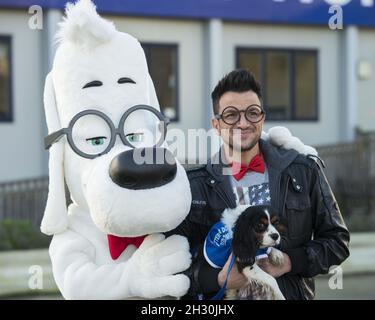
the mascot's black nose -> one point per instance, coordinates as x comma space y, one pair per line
143, 168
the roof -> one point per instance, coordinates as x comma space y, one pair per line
356, 12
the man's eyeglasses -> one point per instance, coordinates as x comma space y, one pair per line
91, 133
231, 115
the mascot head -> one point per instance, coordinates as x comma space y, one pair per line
102, 115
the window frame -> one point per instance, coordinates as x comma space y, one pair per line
291, 71
7, 40
175, 46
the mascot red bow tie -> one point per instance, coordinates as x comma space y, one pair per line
256, 164
118, 244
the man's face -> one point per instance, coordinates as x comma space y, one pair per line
243, 135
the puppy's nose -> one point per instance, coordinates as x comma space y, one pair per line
143, 168
274, 236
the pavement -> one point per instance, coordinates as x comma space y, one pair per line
354, 287
28, 274
358, 273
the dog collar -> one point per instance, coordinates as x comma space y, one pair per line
262, 253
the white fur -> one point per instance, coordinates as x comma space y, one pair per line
267, 240
256, 274
91, 49
266, 287
83, 26
230, 216
281, 137
276, 257
55, 218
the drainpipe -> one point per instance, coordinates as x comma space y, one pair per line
214, 72
350, 86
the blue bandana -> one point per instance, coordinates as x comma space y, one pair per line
218, 244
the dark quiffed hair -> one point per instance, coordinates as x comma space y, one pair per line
239, 80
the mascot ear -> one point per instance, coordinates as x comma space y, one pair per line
55, 218
152, 97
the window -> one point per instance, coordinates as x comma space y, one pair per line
163, 68
5, 80
289, 81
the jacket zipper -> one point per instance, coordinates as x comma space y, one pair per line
285, 194
281, 280
223, 198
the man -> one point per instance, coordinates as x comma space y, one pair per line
316, 237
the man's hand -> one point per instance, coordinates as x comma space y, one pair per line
235, 280
273, 270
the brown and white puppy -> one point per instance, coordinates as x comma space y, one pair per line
255, 228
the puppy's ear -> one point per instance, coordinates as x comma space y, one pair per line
55, 219
244, 243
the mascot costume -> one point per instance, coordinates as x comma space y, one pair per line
101, 110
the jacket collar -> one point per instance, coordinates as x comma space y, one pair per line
276, 158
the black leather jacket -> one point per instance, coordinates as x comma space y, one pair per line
316, 236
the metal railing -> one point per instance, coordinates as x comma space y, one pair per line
350, 169
24, 199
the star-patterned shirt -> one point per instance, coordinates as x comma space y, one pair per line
253, 189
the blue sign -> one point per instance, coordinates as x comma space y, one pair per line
314, 12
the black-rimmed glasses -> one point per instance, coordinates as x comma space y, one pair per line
231, 115
91, 133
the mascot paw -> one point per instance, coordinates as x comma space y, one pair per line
157, 264
281, 137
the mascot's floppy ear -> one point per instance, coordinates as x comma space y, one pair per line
55, 218
152, 97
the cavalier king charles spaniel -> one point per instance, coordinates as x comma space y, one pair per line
254, 228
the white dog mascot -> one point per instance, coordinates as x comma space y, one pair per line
101, 108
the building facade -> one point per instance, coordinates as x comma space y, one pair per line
318, 79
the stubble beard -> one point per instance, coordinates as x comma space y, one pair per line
243, 148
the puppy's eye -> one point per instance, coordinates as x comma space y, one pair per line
96, 141
261, 226
134, 137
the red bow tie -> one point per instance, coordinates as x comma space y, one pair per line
256, 164
118, 244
